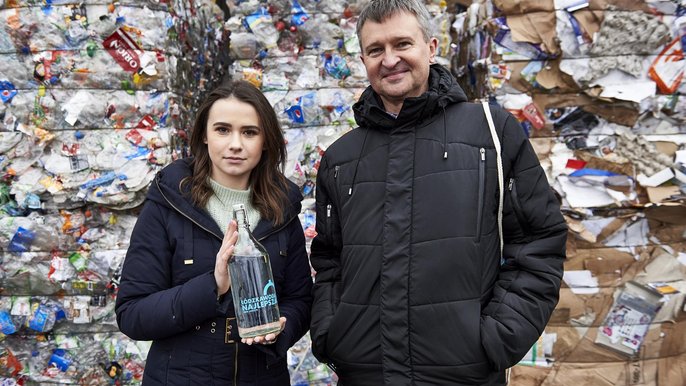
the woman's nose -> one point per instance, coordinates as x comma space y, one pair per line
235, 142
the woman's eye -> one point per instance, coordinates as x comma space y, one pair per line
251, 133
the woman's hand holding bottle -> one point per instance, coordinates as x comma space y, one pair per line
266, 339
221, 268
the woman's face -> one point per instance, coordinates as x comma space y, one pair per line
235, 142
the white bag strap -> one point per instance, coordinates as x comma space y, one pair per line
501, 182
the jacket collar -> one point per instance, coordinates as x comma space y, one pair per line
166, 191
443, 91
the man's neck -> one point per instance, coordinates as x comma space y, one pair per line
392, 108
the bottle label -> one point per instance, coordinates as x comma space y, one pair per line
258, 302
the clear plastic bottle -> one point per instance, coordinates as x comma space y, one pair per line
252, 283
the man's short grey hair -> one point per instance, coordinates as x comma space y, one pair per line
380, 10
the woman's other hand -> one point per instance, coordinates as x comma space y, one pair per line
221, 264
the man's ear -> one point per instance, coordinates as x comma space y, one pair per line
362, 58
433, 47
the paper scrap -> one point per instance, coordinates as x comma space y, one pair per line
681, 258
581, 282
585, 193
620, 85
656, 179
72, 109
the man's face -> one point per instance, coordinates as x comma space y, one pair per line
397, 58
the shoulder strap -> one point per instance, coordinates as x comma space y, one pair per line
501, 183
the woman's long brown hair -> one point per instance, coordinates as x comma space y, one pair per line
266, 180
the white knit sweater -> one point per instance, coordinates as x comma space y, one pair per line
220, 205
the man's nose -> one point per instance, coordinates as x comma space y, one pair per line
390, 59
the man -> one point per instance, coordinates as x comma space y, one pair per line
410, 287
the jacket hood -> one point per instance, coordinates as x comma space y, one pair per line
165, 190
443, 91
370, 113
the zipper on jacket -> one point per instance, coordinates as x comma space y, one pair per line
482, 188
337, 169
328, 219
517, 206
184, 214
284, 225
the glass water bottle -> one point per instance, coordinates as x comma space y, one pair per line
252, 283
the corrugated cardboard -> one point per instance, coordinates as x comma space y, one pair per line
551, 78
662, 193
670, 229
608, 265
668, 215
524, 6
528, 376
656, 372
582, 309
536, 28
589, 20
672, 371
623, 113
595, 162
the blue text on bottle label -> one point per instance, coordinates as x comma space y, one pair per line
258, 302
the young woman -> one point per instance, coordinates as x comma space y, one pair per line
174, 287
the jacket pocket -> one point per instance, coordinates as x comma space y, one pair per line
353, 335
338, 183
333, 232
481, 193
517, 205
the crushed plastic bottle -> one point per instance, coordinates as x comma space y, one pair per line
261, 24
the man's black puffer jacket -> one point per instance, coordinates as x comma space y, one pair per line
410, 289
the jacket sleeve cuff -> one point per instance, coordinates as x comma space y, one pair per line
224, 303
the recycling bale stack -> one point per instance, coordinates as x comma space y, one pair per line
96, 98
597, 86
